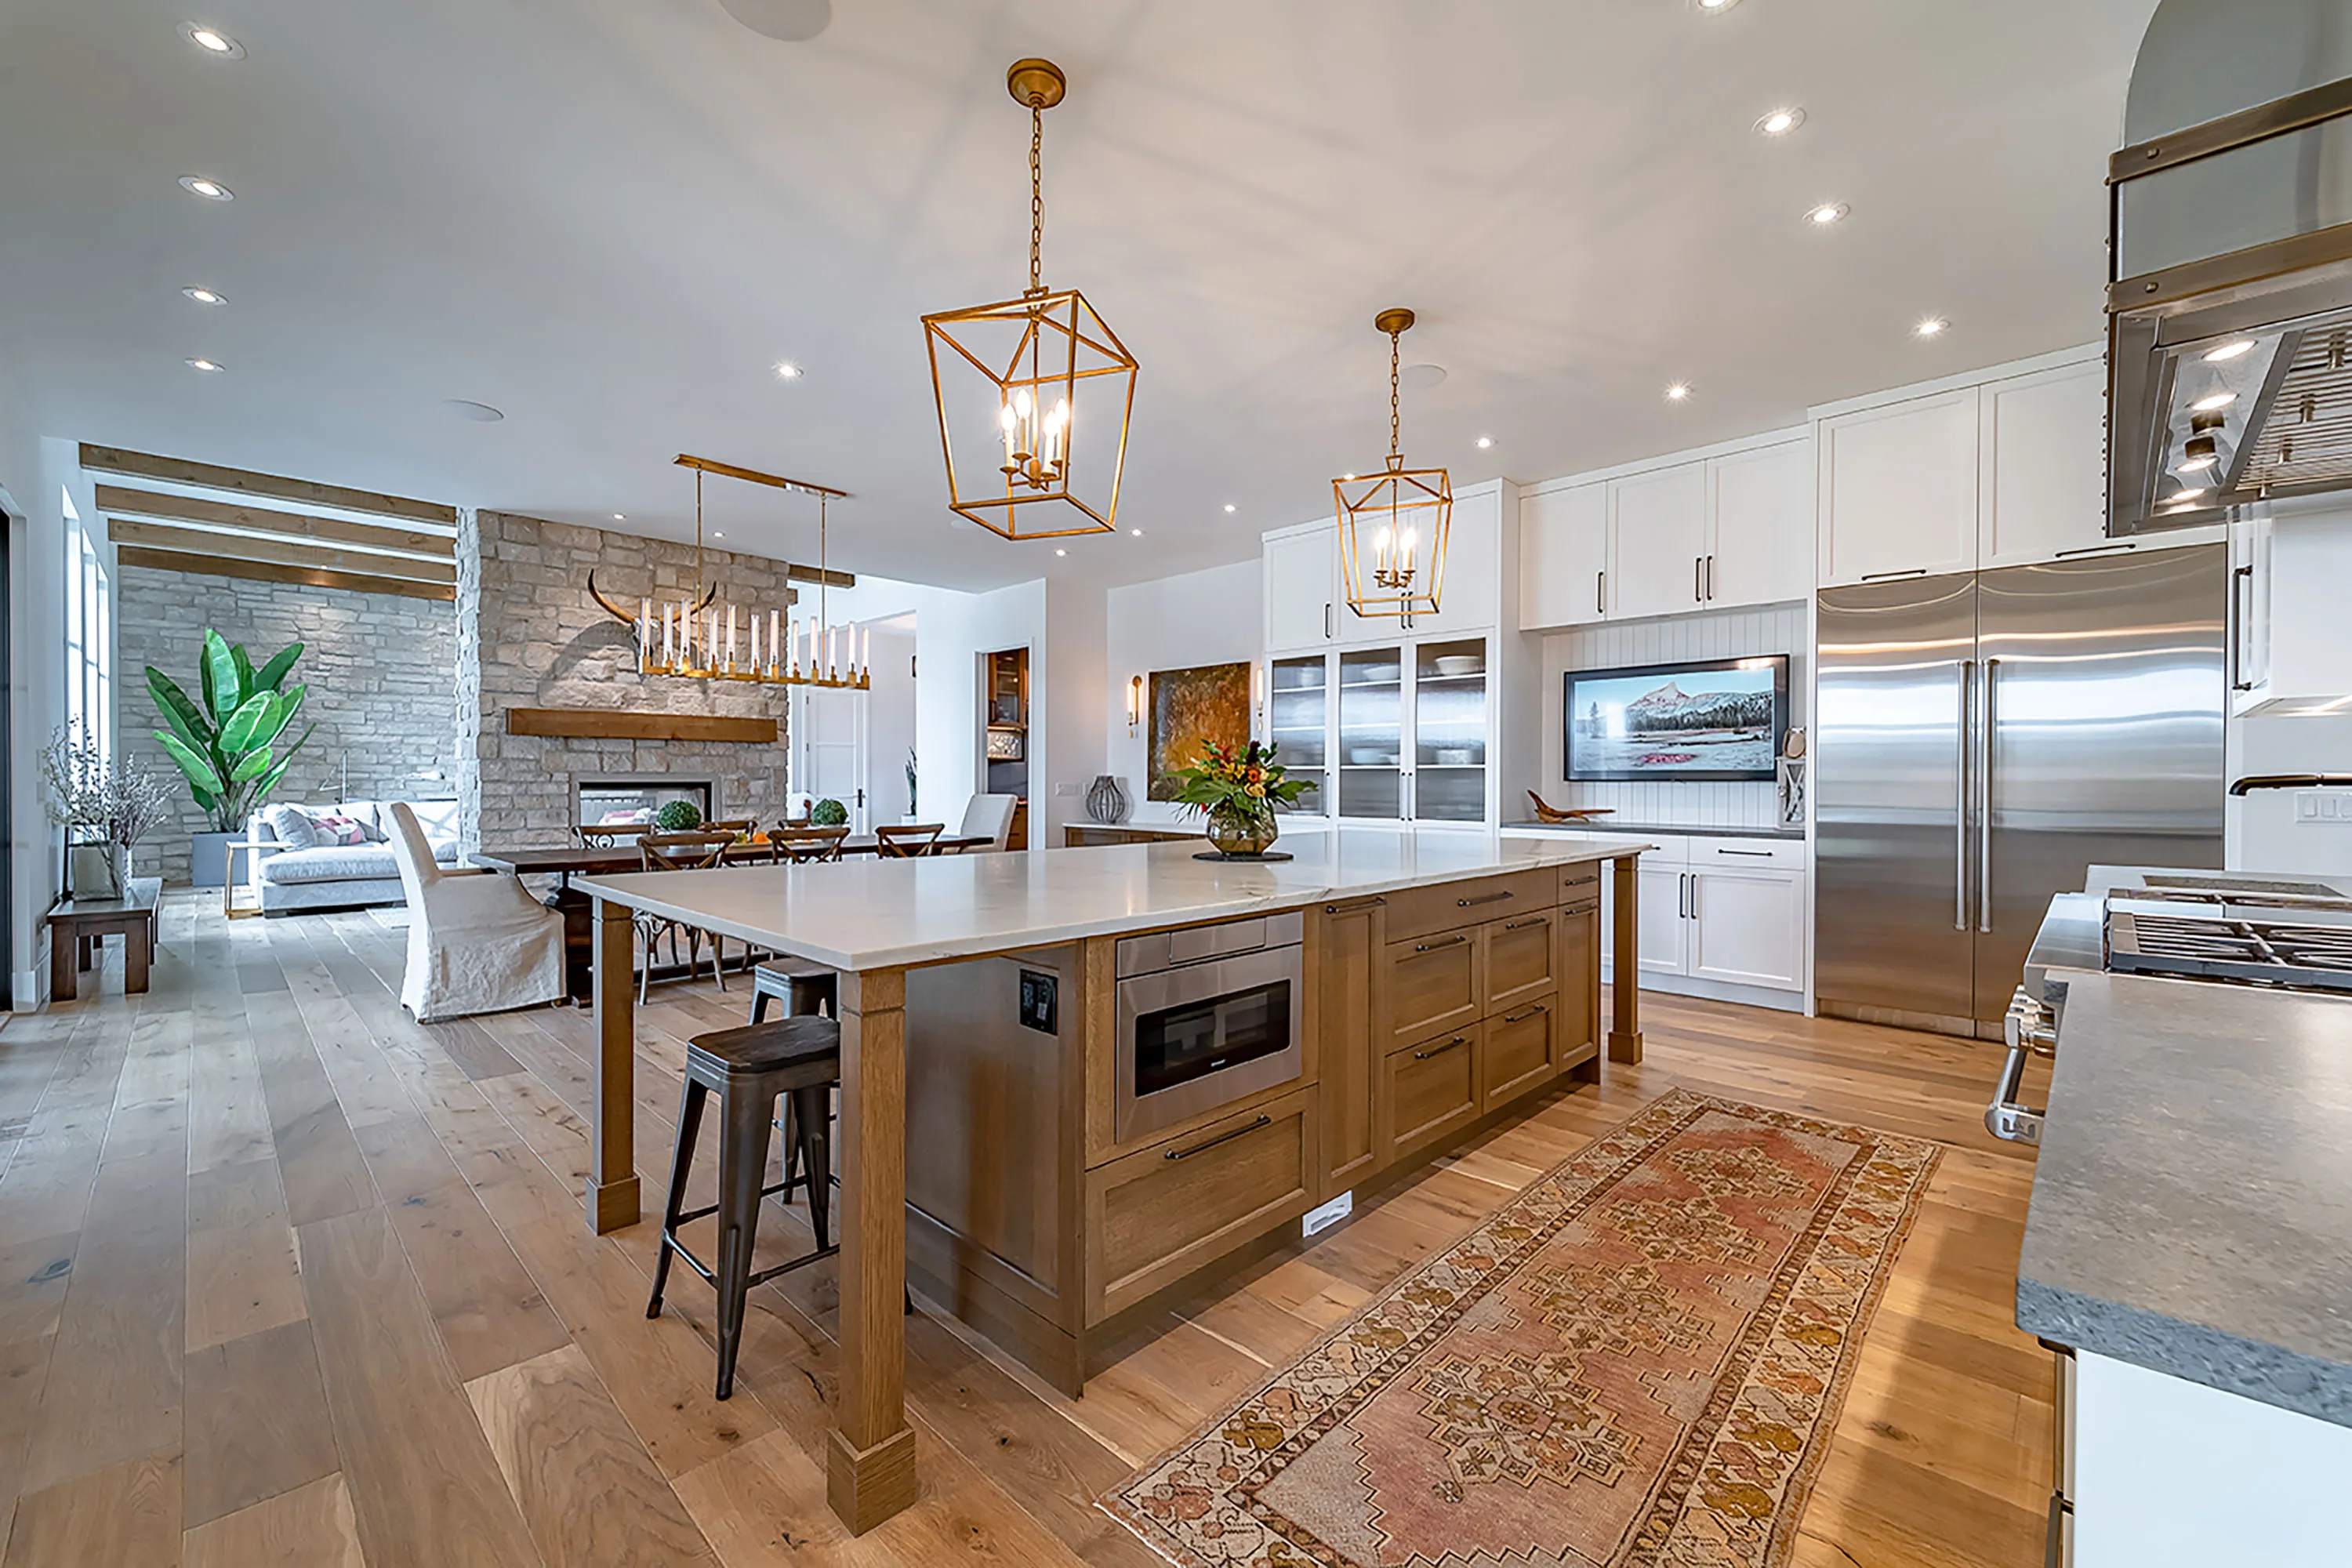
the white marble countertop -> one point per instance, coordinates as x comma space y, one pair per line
880, 914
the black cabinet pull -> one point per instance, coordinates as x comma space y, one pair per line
1225, 1137
1522, 925
1522, 1017
1456, 938
1353, 905
1441, 1050
1485, 898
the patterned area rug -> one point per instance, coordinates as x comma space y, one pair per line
1638, 1360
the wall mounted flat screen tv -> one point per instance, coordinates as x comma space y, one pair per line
1699, 722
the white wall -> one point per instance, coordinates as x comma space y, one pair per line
1727, 634
1214, 616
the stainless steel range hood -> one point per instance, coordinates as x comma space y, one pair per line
2229, 294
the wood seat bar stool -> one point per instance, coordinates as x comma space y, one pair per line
750, 1068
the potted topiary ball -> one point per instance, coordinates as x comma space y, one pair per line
678, 816
828, 813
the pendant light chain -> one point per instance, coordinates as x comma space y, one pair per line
1396, 447
1036, 193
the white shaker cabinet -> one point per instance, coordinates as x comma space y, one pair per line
1760, 525
2041, 466
1302, 588
1748, 928
1564, 556
1469, 597
1898, 489
1658, 522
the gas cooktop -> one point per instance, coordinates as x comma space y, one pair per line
2260, 933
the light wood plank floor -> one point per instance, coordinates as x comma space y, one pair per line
286, 1279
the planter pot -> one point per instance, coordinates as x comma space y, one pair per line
94, 871
209, 857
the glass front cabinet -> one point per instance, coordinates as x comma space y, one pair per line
1395, 733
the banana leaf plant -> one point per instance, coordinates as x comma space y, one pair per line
227, 746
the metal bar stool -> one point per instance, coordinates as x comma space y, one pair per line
802, 987
750, 1068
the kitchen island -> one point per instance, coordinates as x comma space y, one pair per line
2189, 1244
1444, 978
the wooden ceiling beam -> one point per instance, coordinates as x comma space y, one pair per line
271, 572
262, 487
154, 505
284, 552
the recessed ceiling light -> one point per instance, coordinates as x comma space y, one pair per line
1827, 213
2216, 400
212, 41
1229, 506
1061, 553
467, 408
210, 189
716, 534
1930, 327
1780, 121
208, 366
2229, 350
787, 371
1678, 392
1484, 442
1422, 377
1714, 7
1138, 532
204, 296
1346, 479
620, 517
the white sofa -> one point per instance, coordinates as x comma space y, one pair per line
290, 876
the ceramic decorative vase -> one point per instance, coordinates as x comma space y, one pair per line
1106, 802
95, 871
1244, 830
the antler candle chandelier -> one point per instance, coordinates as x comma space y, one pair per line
1042, 361
699, 638
1401, 514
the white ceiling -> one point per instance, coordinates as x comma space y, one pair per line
610, 218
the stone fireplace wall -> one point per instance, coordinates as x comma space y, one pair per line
528, 635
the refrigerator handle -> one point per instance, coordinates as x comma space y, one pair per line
2240, 613
1960, 802
1984, 722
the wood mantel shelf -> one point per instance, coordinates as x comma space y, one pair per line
606, 724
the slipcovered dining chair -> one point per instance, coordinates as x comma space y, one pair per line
477, 942
989, 816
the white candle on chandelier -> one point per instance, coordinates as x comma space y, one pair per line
865, 653
644, 634
775, 625
755, 642
1005, 417
1380, 549
1058, 433
669, 635
1025, 410
1405, 549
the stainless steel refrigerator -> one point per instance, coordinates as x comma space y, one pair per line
1980, 740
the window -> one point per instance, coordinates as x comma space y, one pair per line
89, 638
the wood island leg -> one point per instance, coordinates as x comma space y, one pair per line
612, 1169
1625, 965
870, 1453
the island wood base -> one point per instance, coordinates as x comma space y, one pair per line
1625, 984
1105, 1226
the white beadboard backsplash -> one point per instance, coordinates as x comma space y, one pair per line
1721, 634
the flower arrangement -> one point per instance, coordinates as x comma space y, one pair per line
1238, 791
84, 789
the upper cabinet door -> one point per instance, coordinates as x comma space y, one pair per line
1564, 556
1469, 595
1660, 534
2042, 471
1898, 490
1302, 575
1761, 505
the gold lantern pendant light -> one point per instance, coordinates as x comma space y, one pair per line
1394, 523
1038, 390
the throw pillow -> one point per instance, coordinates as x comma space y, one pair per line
289, 825
339, 830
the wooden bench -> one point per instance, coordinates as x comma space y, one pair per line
76, 926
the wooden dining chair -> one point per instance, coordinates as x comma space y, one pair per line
799, 846
906, 841
699, 850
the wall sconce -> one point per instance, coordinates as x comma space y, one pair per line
1134, 703
1257, 689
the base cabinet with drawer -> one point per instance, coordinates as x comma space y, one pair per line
1723, 917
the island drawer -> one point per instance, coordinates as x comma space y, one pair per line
1417, 912
1577, 883
1521, 1051
1154, 1216
1437, 980
1522, 956
1430, 1089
